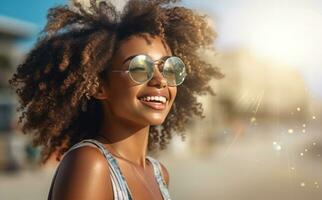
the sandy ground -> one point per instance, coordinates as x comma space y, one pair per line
251, 167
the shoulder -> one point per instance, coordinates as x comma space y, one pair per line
83, 174
165, 173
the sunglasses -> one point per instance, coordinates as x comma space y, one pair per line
141, 69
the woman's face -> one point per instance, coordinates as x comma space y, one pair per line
129, 101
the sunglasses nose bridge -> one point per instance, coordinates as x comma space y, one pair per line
159, 64
157, 77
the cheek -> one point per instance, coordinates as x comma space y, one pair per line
123, 104
123, 97
121, 93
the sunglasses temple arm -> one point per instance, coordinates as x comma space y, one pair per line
120, 71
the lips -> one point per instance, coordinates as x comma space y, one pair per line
154, 102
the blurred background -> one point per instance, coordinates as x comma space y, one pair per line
261, 138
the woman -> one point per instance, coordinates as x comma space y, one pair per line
99, 89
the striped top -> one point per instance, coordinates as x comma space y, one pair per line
120, 187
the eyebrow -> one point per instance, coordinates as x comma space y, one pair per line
130, 57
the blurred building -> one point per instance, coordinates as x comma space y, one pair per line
11, 32
261, 87
254, 92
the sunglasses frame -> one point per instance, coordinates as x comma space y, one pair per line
156, 65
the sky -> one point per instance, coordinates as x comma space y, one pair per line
28, 10
32, 11
288, 31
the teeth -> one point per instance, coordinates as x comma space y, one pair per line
154, 98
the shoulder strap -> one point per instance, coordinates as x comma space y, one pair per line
120, 188
75, 146
159, 178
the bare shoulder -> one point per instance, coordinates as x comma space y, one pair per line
165, 174
83, 174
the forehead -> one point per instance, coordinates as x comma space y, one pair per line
152, 46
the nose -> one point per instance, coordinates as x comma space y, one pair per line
157, 80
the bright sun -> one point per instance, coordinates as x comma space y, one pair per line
288, 35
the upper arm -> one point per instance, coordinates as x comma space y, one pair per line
165, 174
83, 175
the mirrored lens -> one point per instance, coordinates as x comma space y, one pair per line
141, 68
174, 71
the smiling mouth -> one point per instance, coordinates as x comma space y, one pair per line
154, 102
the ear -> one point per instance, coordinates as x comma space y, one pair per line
101, 93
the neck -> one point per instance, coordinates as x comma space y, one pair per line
127, 141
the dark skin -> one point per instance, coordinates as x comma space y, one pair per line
84, 172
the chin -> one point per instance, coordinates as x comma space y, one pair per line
155, 121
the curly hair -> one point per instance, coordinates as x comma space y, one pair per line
72, 53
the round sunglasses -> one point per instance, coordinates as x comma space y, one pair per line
141, 69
